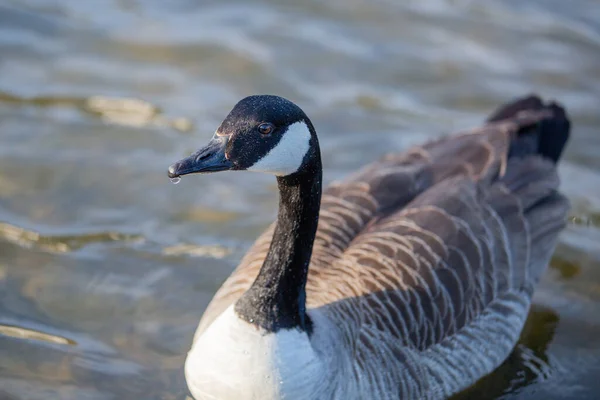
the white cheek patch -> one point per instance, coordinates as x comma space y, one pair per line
287, 156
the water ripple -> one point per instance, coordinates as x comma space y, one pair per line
214, 251
60, 243
112, 110
25, 333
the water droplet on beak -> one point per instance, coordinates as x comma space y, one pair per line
175, 180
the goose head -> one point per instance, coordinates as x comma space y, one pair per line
261, 133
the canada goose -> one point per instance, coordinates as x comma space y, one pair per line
409, 280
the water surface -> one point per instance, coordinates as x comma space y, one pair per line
106, 267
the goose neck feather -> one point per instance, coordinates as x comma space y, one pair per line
277, 298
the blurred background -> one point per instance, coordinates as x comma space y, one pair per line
106, 267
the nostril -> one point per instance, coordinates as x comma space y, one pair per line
203, 156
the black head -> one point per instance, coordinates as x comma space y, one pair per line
262, 133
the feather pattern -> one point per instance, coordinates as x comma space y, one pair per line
425, 261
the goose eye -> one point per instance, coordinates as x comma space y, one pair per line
265, 129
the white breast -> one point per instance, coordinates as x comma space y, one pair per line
235, 360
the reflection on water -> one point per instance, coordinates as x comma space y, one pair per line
124, 111
215, 251
58, 243
24, 333
106, 267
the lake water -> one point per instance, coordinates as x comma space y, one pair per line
106, 267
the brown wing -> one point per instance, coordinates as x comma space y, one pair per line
423, 273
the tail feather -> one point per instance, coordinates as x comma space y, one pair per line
554, 133
546, 138
534, 180
510, 110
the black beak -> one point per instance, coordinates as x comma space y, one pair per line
208, 159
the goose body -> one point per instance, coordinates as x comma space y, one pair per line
410, 279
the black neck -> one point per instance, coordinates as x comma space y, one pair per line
277, 298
